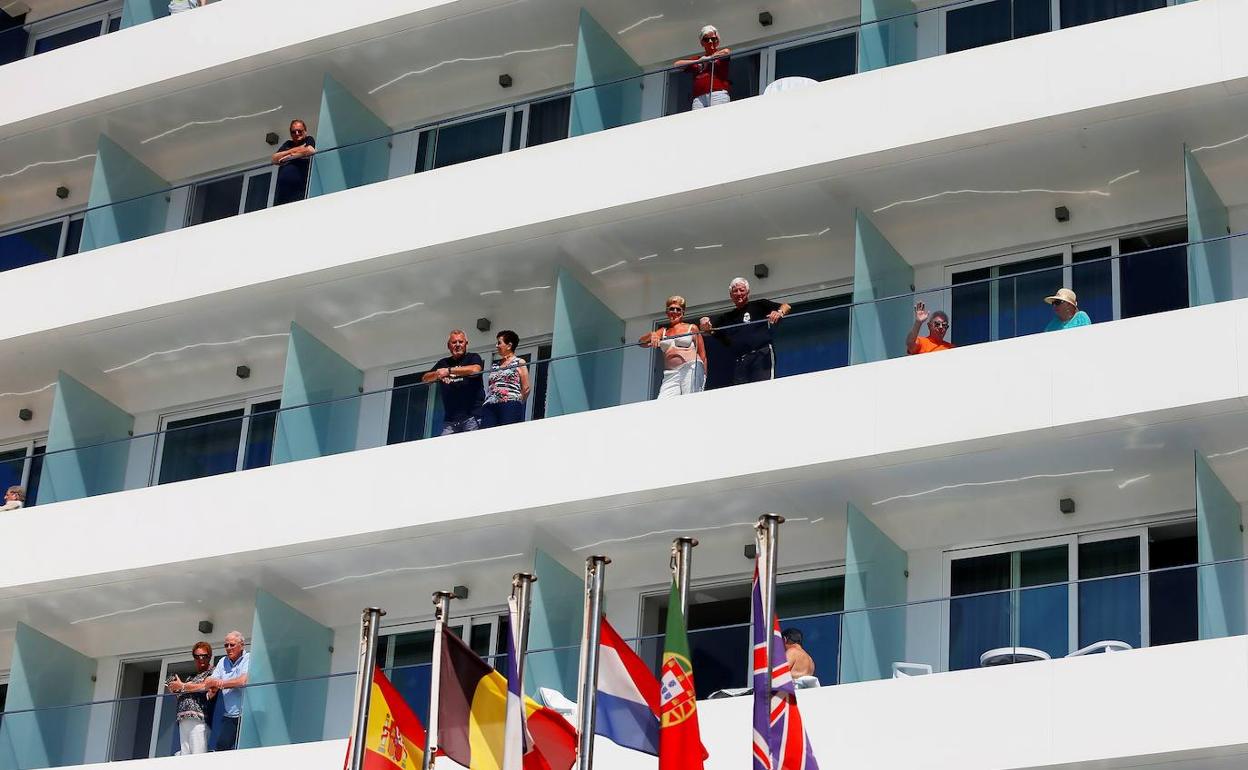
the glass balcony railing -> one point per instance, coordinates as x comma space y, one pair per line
569, 375
1122, 610
595, 101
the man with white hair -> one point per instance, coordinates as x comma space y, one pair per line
228, 677
748, 335
710, 71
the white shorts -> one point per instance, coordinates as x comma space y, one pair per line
194, 735
711, 99
686, 378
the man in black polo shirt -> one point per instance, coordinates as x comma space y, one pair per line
749, 344
459, 384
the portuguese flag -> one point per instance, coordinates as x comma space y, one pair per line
472, 716
395, 738
680, 741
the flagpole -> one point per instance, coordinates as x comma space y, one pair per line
441, 612
682, 557
522, 589
370, 621
769, 537
587, 701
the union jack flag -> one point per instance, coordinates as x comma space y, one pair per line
780, 741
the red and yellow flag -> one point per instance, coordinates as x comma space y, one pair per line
395, 738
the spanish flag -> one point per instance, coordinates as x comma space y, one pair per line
395, 739
472, 714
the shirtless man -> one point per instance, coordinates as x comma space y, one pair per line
800, 662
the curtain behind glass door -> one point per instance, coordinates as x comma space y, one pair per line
1109, 608
201, 446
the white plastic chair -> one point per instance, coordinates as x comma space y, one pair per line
1107, 645
904, 670
557, 701
789, 84
806, 682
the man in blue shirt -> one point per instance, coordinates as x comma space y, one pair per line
1066, 312
228, 677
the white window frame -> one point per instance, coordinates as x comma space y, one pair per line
63, 22
508, 114
28, 445
64, 221
246, 404
246, 172
166, 657
487, 616
767, 58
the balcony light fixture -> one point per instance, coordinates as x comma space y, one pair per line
62, 192
765, 19
25, 415
460, 592
483, 325
271, 138
1066, 505
242, 372
1061, 214
504, 80
761, 271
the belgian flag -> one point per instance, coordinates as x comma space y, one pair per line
394, 738
472, 716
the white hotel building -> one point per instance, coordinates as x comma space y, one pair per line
214, 403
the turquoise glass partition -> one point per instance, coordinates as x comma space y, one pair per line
555, 622
316, 374
889, 34
878, 329
601, 60
1220, 588
127, 199
345, 121
45, 674
1208, 264
140, 11
285, 645
583, 323
83, 418
875, 577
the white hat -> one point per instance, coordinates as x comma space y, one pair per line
1063, 295
709, 29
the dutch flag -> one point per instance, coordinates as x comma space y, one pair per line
628, 696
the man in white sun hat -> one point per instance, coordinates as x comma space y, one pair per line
1066, 312
710, 71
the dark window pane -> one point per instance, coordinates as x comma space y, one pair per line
1076, 12
1155, 281
971, 322
1043, 612
114, 24
257, 192
1172, 609
28, 247
973, 26
548, 121
1092, 276
260, 432
1109, 607
815, 607
68, 37
216, 200
479, 639
811, 343
409, 403
35, 475
422, 151
12, 466
13, 37
540, 380
470, 140
73, 238
201, 446
823, 60
1021, 309
1031, 17
978, 623
517, 122
410, 675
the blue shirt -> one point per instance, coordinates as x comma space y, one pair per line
1078, 319
228, 669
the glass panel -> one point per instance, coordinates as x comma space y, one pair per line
548, 121
479, 639
114, 23
73, 238
12, 465
201, 446
815, 606
1021, 309
822, 60
1172, 614
36, 474
972, 307
1076, 12
216, 200
808, 343
257, 192
1156, 281
409, 408
410, 670
68, 37
982, 622
971, 26
1109, 609
743, 74
470, 140
1043, 612
1094, 283
135, 716
28, 247
260, 433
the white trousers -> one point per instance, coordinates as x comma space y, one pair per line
686, 378
194, 735
711, 99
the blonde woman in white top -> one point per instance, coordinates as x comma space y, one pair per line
684, 356
14, 498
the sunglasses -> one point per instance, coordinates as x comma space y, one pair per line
939, 325
675, 309
709, 39
202, 655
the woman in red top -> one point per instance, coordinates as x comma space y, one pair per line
710, 71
